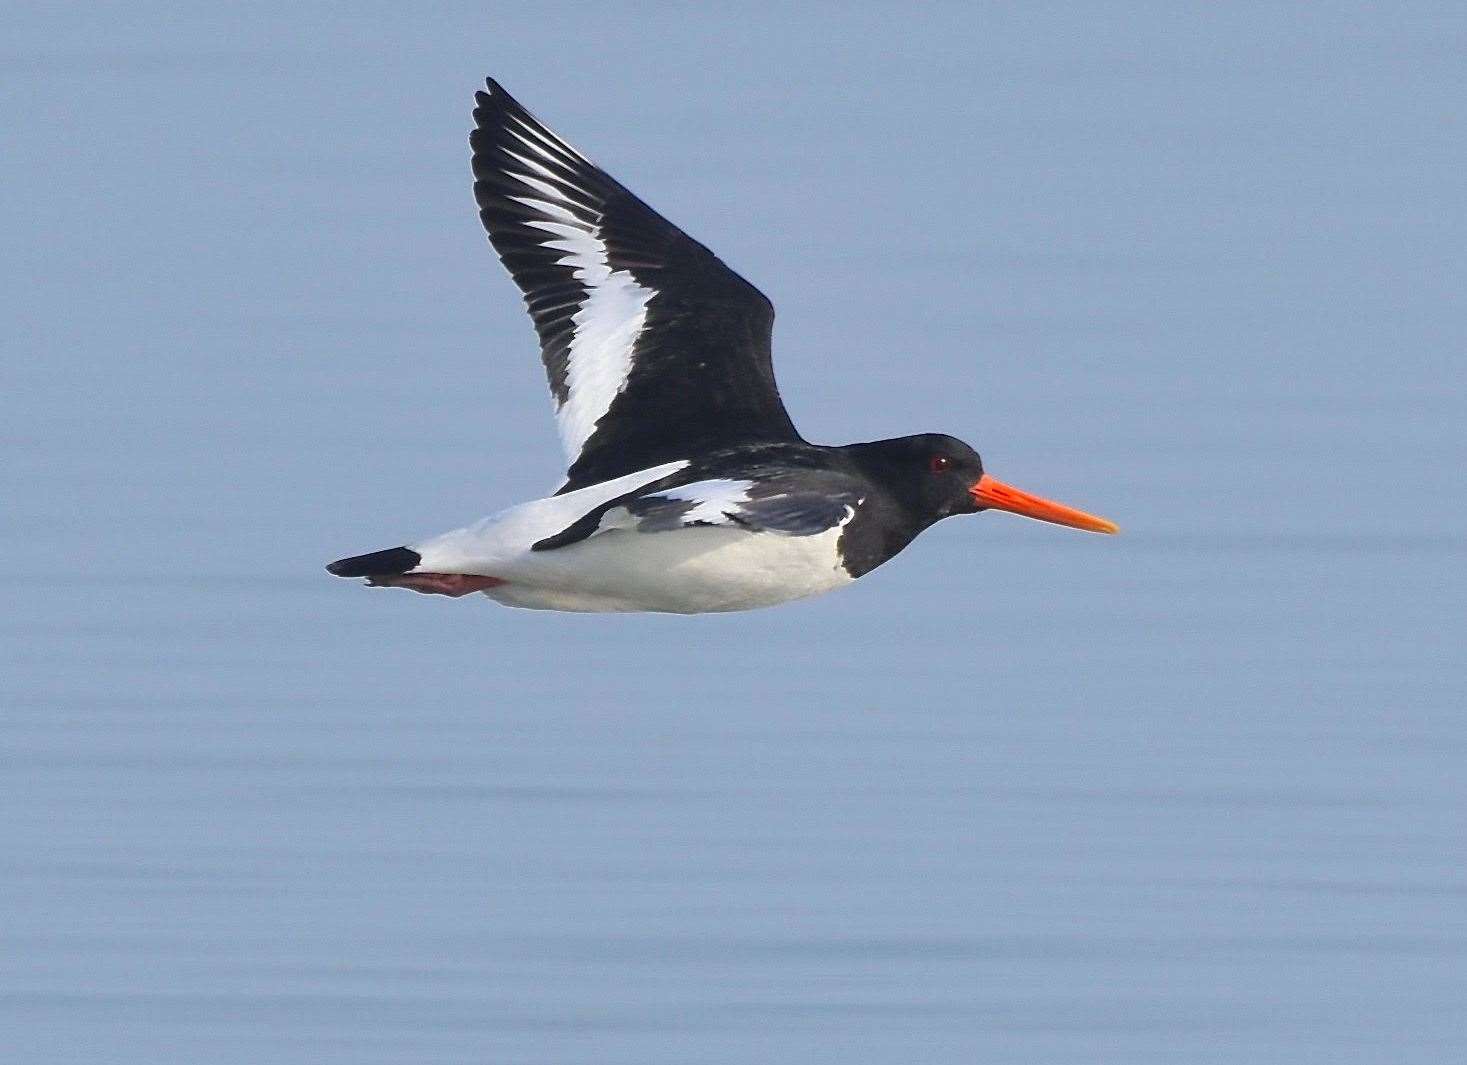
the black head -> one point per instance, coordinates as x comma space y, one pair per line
932, 476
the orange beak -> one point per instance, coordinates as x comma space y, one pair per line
995, 495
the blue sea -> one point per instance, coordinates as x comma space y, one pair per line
1023, 796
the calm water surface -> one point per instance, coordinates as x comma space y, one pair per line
1192, 794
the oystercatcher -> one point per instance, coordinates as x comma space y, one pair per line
688, 488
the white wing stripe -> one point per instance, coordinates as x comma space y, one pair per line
548, 310
579, 237
534, 144
611, 314
541, 152
544, 188
606, 328
545, 136
554, 210
540, 168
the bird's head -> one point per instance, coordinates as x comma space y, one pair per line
937, 476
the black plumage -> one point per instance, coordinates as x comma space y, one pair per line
701, 374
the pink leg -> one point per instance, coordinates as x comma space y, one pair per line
454, 584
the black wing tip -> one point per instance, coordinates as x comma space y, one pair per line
493, 95
377, 564
491, 104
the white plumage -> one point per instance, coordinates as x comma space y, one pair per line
690, 570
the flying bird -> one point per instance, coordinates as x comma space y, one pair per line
688, 489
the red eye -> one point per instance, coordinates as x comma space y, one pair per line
939, 463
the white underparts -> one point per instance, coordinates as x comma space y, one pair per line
687, 570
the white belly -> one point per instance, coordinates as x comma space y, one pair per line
682, 571
686, 571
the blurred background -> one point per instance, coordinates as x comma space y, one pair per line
1023, 795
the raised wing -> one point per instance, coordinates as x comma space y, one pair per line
802, 503
654, 349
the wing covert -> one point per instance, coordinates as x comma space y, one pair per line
800, 503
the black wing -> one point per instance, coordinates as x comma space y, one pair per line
654, 349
